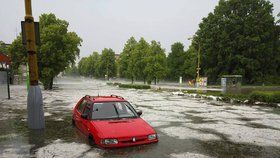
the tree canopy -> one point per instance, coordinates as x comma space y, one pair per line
156, 67
190, 63
176, 60
139, 60
59, 48
238, 38
107, 63
3, 48
126, 64
17, 53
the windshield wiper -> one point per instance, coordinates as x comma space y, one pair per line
129, 117
116, 111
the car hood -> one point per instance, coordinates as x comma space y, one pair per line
122, 128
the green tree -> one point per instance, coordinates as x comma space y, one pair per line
278, 21
59, 48
17, 53
277, 45
176, 60
139, 59
71, 71
156, 67
88, 66
238, 38
82, 66
126, 64
107, 63
190, 63
94, 61
3, 48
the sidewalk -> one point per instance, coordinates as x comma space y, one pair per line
168, 86
183, 88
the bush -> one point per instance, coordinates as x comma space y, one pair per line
268, 97
135, 86
113, 83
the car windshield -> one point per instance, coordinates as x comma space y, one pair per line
112, 110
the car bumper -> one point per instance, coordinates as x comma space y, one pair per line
121, 144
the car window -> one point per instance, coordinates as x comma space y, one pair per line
87, 110
104, 111
123, 110
112, 110
82, 105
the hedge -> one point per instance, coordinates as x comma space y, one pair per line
263, 96
135, 86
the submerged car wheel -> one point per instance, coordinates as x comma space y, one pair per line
73, 123
91, 140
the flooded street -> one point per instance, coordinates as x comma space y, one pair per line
187, 127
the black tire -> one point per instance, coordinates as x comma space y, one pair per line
73, 123
91, 140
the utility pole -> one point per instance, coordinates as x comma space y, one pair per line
198, 64
198, 61
35, 118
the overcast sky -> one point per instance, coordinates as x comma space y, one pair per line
109, 23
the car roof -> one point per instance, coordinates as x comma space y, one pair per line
111, 98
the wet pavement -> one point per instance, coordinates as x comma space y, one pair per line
187, 127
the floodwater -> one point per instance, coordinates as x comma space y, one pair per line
187, 127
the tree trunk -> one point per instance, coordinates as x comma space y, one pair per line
51, 84
155, 81
132, 80
48, 85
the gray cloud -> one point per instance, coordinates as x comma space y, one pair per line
109, 23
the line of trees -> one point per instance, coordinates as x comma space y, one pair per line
97, 65
138, 61
239, 37
143, 61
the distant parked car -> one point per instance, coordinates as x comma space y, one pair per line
110, 121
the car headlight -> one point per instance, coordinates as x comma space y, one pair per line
109, 141
152, 136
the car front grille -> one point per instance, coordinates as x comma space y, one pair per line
130, 139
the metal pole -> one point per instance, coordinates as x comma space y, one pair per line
198, 66
34, 101
8, 84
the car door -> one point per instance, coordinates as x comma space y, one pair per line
85, 123
77, 116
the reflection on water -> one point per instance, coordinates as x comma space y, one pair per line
187, 127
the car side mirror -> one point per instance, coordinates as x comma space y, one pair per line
84, 116
139, 112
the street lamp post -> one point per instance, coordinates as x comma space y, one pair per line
198, 62
34, 100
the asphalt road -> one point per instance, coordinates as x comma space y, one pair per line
187, 127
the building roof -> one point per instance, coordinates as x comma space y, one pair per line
5, 59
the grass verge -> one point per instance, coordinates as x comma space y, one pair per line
267, 97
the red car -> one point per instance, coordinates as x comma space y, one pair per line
110, 121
